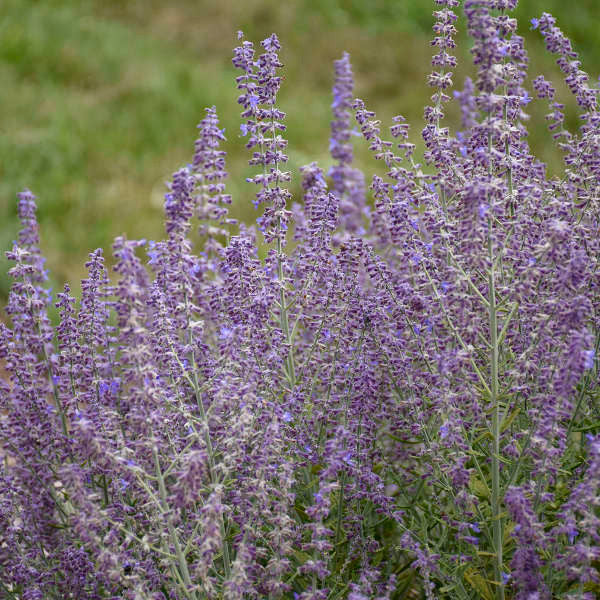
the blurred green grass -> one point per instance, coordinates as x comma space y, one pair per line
100, 98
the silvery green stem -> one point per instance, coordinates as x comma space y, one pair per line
496, 496
183, 566
285, 325
207, 440
284, 319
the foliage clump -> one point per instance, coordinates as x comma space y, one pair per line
399, 400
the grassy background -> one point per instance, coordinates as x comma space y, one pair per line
100, 98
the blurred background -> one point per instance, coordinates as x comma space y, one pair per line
99, 99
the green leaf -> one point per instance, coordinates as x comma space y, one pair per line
507, 422
479, 584
479, 488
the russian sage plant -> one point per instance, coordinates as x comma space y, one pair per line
399, 401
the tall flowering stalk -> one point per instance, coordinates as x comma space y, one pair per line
263, 125
348, 182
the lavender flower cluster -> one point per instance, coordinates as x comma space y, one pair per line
400, 401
